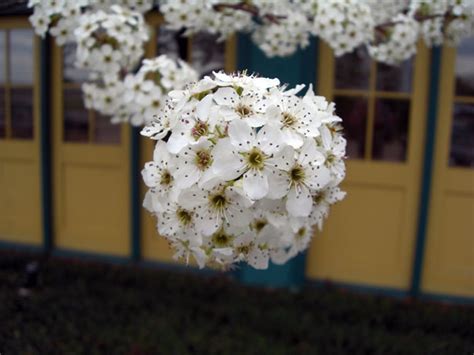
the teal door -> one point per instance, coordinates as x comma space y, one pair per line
300, 68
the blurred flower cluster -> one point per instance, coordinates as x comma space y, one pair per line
390, 29
110, 41
139, 96
243, 169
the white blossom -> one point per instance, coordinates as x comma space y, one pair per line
230, 185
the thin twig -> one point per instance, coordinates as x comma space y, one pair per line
381, 29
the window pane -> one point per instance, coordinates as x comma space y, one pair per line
395, 78
21, 56
2, 56
353, 70
465, 68
207, 55
22, 113
71, 74
76, 117
390, 129
106, 132
353, 111
2, 113
462, 144
171, 43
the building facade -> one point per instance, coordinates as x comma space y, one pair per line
70, 181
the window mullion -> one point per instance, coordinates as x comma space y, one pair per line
369, 133
8, 124
91, 115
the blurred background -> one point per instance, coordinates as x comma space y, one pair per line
70, 187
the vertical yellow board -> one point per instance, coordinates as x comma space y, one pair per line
449, 253
91, 182
20, 197
154, 247
369, 237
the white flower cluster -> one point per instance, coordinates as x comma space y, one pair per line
457, 24
108, 42
399, 44
243, 170
199, 15
283, 38
141, 96
283, 26
278, 27
62, 17
345, 25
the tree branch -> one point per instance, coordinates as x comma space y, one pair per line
381, 29
249, 8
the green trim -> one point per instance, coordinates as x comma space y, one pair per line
439, 297
76, 254
135, 203
427, 172
150, 264
21, 247
45, 144
391, 292
360, 288
299, 68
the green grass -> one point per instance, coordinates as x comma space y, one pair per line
92, 308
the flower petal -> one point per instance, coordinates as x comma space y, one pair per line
278, 184
283, 159
204, 107
241, 135
228, 164
269, 139
207, 223
258, 259
317, 177
292, 138
186, 174
299, 202
309, 154
226, 96
255, 184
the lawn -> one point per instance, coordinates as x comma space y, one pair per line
84, 307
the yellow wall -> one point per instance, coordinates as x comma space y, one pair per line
20, 199
153, 246
449, 265
369, 237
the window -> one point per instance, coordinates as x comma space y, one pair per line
462, 131
374, 100
80, 124
17, 54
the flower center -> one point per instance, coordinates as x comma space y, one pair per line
318, 198
256, 159
243, 249
259, 224
218, 201
220, 239
166, 178
288, 119
297, 174
203, 159
200, 129
184, 217
301, 233
243, 110
330, 159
